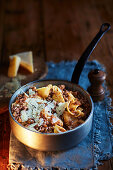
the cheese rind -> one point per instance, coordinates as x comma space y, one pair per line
14, 65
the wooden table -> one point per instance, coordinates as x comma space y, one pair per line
54, 30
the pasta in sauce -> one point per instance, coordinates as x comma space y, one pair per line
50, 109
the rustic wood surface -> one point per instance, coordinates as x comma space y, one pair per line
54, 30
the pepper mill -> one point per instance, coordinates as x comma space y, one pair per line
96, 90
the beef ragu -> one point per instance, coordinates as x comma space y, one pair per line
50, 109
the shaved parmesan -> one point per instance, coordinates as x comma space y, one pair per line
31, 92
40, 122
26, 114
60, 108
31, 127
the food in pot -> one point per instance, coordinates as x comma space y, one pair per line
50, 109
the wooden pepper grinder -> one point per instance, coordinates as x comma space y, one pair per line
96, 77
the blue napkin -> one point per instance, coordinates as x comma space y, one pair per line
98, 144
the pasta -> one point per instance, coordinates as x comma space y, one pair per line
50, 109
57, 95
44, 91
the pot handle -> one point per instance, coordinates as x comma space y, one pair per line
84, 57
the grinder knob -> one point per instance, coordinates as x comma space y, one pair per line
96, 90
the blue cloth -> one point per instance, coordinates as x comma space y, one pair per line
98, 145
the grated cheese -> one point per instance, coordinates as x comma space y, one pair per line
31, 92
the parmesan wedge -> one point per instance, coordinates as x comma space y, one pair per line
27, 61
14, 65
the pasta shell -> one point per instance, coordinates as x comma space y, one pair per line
44, 91
68, 118
74, 109
70, 97
56, 121
57, 95
58, 129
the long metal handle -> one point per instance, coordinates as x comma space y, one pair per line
83, 59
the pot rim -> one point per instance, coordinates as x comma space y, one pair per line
52, 134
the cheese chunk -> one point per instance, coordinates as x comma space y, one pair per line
27, 61
14, 65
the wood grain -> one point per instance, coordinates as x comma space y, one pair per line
2, 6
62, 35
22, 27
54, 30
4, 140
